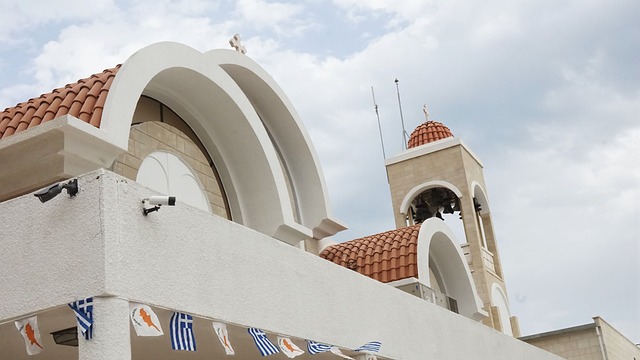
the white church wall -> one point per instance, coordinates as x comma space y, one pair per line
53, 252
182, 258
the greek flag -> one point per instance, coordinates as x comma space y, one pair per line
372, 346
83, 310
263, 343
316, 348
182, 332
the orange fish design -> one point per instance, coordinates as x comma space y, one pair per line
147, 319
287, 345
31, 335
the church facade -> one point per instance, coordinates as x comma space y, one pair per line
241, 245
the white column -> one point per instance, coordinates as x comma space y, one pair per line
111, 339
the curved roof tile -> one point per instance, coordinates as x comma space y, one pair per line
385, 257
427, 132
84, 99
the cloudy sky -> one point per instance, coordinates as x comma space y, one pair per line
547, 93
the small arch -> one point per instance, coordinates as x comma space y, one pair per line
499, 299
480, 197
436, 243
168, 174
417, 190
435, 198
479, 194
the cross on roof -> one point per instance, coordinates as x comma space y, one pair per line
235, 43
425, 111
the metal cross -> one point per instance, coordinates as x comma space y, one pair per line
235, 43
425, 111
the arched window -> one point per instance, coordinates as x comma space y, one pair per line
499, 300
168, 174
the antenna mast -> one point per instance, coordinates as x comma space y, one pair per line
404, 132
375, 106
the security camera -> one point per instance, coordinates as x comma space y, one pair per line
162, 200
157, 201
52, 191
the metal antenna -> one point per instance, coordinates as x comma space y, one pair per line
404, 132
375, 106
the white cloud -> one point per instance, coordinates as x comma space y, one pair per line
281, 17
572, 216
17, 16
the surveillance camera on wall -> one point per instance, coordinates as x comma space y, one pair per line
162, 200
52, 191
157, 201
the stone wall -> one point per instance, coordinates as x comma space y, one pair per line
157, 128
581, 344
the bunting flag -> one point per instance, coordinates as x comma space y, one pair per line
84, 316
337, 351
317, 348
263, 343
223, 336
372, 346
182, 332
144, 320
288, 347
28, 328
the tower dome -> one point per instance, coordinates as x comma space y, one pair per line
427, 132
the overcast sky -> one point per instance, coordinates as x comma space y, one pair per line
546, 93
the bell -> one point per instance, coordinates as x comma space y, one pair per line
477, 205
448, 209
422, 212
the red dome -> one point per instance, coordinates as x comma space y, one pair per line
427, 132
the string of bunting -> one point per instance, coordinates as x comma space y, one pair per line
145, 323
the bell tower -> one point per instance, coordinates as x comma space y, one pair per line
439, 176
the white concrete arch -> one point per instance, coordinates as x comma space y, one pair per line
217, 109
415, 191
500, 300
479, 193
436, 242
289, 136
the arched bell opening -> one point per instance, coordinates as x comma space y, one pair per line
441, 203
434, 202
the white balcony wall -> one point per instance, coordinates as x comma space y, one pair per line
186, 259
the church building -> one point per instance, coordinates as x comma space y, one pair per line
174, 207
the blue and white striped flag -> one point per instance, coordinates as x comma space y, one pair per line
182, 332
263, 343
317, 348
372, 346
83, 310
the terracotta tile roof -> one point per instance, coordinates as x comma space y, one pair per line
427, 132
84, 99
385, 257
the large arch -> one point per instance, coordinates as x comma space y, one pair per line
236, 124
436, 243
